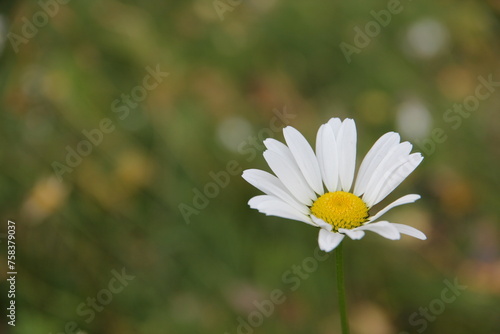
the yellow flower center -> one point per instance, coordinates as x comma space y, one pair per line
341, 210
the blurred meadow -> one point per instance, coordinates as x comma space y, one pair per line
125, 127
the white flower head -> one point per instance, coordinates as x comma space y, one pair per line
317, 188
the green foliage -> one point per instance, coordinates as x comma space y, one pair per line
199, 267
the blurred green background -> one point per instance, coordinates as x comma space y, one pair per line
66, 70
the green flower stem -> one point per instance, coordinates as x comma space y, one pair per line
341, 288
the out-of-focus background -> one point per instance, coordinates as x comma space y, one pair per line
125, 127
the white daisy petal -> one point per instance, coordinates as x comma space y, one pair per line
278, 147
271, 185
335, 124
305, 158
272, 206
255, 201
394, 158
391, 173
411, 231
353, 234
329, 240
403, 200
326, 150
373, 159
383, 228
283, 150
290, 175
346, 141
398, 176
321, 223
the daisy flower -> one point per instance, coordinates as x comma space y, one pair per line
319, 189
